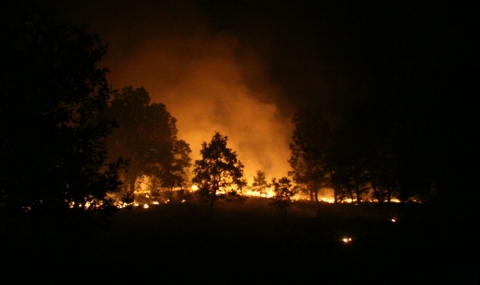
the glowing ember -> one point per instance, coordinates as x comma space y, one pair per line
194, 187
346, 240
156, 203
394, 220
145, 206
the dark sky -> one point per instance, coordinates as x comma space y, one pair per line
242, 67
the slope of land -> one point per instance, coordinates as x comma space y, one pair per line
251, 242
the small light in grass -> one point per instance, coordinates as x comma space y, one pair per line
346, 239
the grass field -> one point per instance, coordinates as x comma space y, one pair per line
252, 243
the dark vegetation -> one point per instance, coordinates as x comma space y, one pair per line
67, 141
219, 173
251, 242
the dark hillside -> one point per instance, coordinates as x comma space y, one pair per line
242, 242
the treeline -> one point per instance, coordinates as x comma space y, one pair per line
410, 146
369, 157
68, 140
52, 141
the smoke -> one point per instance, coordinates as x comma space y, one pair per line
209, 81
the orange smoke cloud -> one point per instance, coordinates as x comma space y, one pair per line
212, 83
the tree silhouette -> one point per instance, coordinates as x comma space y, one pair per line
219, 174
377, 148
52, 148
260, 183
175, 172
308, 152
283, 194
147, 137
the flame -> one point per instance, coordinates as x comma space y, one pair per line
327, 200
145, 195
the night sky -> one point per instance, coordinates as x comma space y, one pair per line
243, 67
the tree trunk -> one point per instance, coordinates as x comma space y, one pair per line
212, 202
317, 203
132, 185
375, 191
357, 191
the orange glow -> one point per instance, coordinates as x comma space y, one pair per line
208, 86
146, 199
346, 240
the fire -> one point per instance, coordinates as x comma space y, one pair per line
327, 200
145, 197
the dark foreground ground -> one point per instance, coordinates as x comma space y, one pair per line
251, 243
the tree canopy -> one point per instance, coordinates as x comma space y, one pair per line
308, 151
52, 142
284, 191
219, 173
260, 184
147, 138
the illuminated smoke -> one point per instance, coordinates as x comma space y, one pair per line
209, 82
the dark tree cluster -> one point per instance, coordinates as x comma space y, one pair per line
385, 148
52, 140
309, 152
68, 142
146, 137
